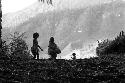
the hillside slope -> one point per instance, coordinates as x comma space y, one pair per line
76, 26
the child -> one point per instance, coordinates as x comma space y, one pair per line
34, 48
74, 56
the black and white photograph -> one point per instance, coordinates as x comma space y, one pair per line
62, 41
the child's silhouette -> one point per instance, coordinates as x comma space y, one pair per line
34, 48
74, 56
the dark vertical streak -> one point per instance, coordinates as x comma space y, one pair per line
0, 24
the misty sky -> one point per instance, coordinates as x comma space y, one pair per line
15, 5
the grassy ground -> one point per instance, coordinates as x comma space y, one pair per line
103, 69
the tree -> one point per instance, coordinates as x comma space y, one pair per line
116, 46
18, 47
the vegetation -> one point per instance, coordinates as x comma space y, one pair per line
93, 70
47, 1
116, 46
17, 48
4, 51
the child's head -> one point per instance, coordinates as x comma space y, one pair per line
35, 35
74, 54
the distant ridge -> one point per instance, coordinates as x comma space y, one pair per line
16, 18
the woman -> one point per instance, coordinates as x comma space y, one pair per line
53, 50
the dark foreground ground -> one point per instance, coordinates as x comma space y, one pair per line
95, 70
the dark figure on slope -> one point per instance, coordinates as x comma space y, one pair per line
41, 1
48, 1
53, 50
34, 48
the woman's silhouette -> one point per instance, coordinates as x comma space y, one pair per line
34, 48
53, 50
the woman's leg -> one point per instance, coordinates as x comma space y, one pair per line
34, 55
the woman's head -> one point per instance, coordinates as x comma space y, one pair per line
36, 35
52, 39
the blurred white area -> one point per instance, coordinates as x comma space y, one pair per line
86, 52
22, 10
15, 5
9, 6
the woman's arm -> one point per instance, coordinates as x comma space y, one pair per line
40, 48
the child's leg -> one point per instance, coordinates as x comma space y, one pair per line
37, 55
34, 53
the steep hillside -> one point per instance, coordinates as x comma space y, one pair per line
15, 18
11, 20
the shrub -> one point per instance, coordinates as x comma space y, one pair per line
116, 46
18, 47
4, 50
